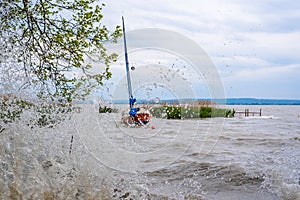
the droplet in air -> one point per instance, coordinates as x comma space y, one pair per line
156, 99
132, 68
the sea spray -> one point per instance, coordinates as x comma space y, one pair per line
251, 158
35, 163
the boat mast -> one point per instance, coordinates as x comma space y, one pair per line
127, 65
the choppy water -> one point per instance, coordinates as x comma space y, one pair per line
234, 158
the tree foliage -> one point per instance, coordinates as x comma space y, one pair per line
53, 40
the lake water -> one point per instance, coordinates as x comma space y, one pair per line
93, 155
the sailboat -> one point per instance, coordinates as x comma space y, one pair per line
136, 115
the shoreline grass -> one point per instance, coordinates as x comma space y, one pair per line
189, 112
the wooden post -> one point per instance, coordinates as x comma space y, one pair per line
260, 112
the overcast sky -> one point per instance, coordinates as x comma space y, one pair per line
255, 45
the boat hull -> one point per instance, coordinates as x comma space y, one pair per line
139, 119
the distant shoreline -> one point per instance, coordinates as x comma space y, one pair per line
228, 101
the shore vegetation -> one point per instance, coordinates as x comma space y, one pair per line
201, 109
